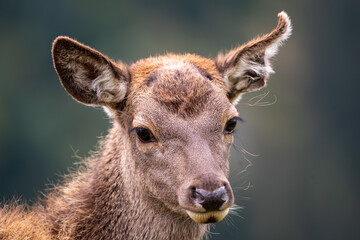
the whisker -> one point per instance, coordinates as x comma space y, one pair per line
244, 188
235, 211
208, 231
247, 166
239, 147
257, 101
232, 221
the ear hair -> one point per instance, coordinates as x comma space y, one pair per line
89, 76
247, 67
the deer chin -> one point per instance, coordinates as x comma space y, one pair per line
208, 217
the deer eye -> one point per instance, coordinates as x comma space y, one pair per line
145, 135
231, 125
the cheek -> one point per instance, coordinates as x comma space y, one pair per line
158, 172
221, 152
163, 177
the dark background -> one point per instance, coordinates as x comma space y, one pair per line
304, 183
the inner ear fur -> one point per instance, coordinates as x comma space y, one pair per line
247, 67
89, 76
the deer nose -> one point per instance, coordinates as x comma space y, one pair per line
210, 201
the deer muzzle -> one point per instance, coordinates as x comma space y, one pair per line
206, 199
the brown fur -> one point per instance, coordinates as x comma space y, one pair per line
17, 223
134, 189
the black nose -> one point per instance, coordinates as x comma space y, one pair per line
211, 200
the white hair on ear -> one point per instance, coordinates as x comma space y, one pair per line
108, 112
246, 68
108, 88
274, 47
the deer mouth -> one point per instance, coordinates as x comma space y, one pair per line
208, 217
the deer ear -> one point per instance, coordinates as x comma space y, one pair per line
89, 76
247, 67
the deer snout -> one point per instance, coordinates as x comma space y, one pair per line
206, 199
210, 201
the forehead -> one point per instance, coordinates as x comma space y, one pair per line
182, 84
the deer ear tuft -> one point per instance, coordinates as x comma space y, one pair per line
247, 67
89, 76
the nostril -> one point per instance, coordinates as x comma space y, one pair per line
222, 194
199, 198
210, 200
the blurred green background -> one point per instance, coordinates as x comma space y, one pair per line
304, 183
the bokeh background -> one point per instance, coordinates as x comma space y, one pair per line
304, 182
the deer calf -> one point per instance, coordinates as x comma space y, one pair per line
161, 172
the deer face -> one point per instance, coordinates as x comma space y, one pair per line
178, 112
181, 133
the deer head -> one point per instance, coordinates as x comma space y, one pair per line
174, 114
